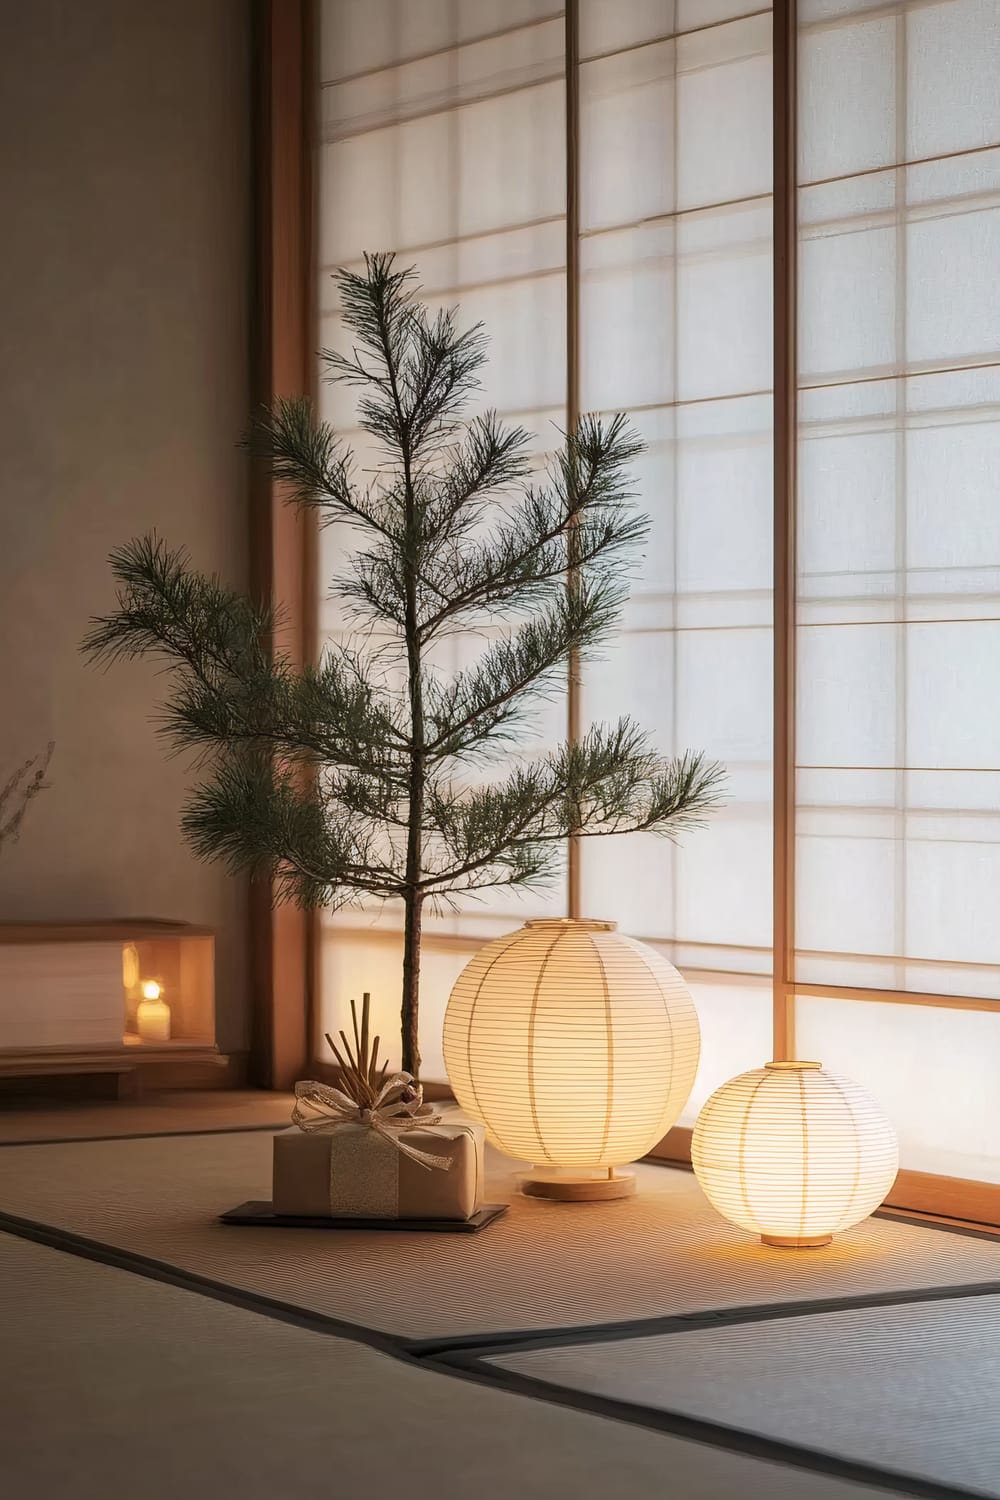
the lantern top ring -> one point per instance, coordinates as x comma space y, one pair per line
791, 1067
586, 924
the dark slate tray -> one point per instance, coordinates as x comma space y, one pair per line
259, 1212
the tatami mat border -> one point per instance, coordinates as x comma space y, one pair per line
701, 1430
468, 1357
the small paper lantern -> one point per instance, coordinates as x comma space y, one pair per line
575, 1047
794, 1153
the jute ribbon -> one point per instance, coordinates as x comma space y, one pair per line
398, 1106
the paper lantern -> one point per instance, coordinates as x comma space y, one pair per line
794, 1153
576, 1048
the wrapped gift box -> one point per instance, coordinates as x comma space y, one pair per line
352, 1171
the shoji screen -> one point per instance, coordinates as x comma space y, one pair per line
446, 126
443, 138
898, 709
675, 326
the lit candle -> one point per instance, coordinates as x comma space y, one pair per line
153, 1014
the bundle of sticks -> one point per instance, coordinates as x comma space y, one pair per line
362, 1076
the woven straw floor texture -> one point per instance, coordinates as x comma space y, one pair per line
914, 1389
112, 1384
156, 1114
541, 1266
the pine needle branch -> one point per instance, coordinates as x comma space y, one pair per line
20, 790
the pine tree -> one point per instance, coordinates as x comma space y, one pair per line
351, 780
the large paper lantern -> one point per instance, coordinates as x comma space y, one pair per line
794, 1153
576, 1048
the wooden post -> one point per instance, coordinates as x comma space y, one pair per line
282, 546
785, 453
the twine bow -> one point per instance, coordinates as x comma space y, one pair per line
386, 1104
397, 1106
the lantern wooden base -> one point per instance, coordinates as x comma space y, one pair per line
559, 1188
796, 1242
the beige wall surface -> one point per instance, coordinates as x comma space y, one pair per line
124, 389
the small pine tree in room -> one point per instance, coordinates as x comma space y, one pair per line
360, 777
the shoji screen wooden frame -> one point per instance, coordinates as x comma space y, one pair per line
285, 30
927, 1193
916, 1191
282, 540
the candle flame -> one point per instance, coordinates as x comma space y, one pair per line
150, 990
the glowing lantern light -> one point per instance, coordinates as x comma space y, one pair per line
576, 1048
794, 1153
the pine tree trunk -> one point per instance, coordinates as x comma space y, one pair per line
411, 984
413, 898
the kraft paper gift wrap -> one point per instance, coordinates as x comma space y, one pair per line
351, 1171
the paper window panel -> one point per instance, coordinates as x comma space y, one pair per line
952, 704
898, 542
724, 501
724, 300
952, 72
894, 861
847, 91
848, 687
847, 511
628, 299
964, 325
610, 26
676, 327
360, 36
844, 12
724, 892
877, 500
693, 666
880, 246
456, 172
847, 266
477, 71
724, 94
880, 85
692, 688
933, 1072
735, 1020
628, 164
701, 15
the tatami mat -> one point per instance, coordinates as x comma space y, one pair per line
22, 1122
914, 1389
111, 1384
542, 1265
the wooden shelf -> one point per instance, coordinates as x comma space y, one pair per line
84, 996
117, 930
125, 1059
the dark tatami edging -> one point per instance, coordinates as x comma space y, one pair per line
468, 1356
701, 1430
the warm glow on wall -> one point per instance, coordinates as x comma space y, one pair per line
575, 1046
793, 1153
